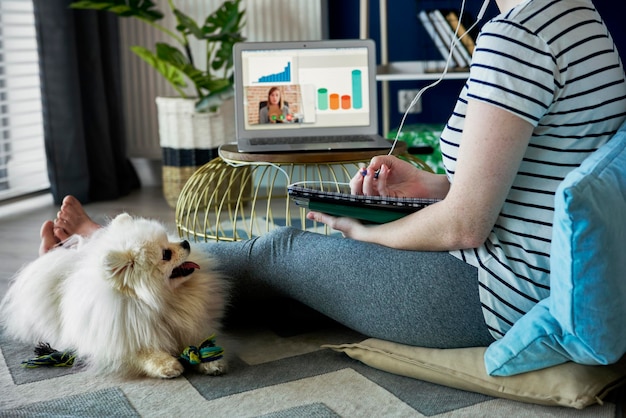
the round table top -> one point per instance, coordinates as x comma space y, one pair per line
229, 151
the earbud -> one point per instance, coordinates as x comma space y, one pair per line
482, 11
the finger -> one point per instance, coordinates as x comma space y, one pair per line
362, 169
321, 218
370, 182
381, 180
344, 225
356, 183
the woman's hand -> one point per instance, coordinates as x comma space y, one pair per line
386, 176
349, 228
390, 176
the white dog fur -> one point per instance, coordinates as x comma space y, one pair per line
111, 300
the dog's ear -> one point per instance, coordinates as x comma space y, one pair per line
122, 218
119, 266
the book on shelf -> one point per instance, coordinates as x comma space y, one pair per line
466, 38
430, 29
461, 56
441, 26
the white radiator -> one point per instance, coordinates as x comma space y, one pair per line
266, 20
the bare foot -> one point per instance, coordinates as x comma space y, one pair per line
48, 239
72, 219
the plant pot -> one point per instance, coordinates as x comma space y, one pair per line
190, 139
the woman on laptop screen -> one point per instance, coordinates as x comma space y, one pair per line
274, 109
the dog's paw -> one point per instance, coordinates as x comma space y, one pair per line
213, 368
171, 370
162, 365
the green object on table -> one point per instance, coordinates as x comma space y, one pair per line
422, 140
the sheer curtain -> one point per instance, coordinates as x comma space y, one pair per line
82, 106
22, 156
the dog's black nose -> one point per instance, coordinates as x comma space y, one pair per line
185, 244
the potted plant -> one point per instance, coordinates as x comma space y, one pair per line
194, 124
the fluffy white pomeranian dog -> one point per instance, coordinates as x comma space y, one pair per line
126, 300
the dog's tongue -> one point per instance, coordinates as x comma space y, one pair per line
184, 269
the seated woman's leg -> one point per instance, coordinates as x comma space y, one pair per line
419, 298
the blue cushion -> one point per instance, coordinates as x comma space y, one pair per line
584, 318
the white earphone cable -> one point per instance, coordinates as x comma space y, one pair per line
455, 41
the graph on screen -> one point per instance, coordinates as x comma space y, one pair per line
283, 76
330, 100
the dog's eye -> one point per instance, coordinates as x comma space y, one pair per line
167, 255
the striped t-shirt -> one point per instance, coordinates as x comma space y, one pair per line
552, 63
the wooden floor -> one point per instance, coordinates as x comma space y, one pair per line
20, 223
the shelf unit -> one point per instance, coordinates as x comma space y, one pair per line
416, 70
401, 70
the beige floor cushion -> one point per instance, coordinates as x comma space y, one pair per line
569, 384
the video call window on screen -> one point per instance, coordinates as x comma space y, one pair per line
305, 88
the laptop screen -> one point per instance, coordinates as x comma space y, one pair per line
321, 85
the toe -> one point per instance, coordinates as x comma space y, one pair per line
48, 238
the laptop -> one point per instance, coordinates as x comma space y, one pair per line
306, 96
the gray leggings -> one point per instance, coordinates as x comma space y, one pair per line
427, 299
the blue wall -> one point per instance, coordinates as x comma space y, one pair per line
409, 42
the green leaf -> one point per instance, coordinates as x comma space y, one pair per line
214, 84
224, 27
226, 19
174, 57
211, 102
171, 72
144, 9
187, 25
171, 55
223, 57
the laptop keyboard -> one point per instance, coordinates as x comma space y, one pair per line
311, 140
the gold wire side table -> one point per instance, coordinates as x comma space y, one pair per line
242, 195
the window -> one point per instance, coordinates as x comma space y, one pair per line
22, 154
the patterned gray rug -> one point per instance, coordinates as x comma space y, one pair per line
272, 374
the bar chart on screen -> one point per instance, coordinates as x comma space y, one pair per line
280, 77
347, 94
271, 70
